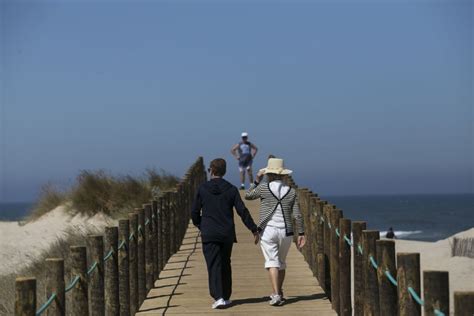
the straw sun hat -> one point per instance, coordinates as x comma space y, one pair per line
276, 166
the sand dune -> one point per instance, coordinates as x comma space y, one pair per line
22, 244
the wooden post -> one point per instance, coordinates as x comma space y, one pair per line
55, 284
320, 243
154, 216
345, 268
408, 275
124, 267
165, 226
314, 244
96, 277
160, 234
357, 228
111, 272
388, 299
436, 292
141, 256
79, 294
335, 215
463, 303
25, 296
148, 248
371, 289
327, 250
133, 262
172, 217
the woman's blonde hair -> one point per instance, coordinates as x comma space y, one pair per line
273, 177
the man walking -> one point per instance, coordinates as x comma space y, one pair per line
244, 152
213, 214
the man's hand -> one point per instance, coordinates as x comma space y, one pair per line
256, 237
300, 242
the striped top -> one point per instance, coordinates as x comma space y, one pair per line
269, 203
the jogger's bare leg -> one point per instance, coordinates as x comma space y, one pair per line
250, 172
242, 176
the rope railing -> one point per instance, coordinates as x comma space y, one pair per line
46, 304
371, 260
160, 233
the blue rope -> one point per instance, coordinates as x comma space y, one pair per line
107, 257
73, 284
132, 236
391, 278
121, 245
46, 304
348, 241
372, 261
437, 312
322, 219
415, 296
92, 268
337, 232
360, 249
147, 222
329, 225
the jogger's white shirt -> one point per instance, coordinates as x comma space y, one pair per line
274, 242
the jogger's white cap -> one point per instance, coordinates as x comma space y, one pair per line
245, 134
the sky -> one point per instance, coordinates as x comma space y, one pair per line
358, 97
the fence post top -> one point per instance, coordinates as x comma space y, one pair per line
55, 259
385, 242
369, 231
25, 279
436, 271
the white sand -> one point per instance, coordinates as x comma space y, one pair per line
21, 245
437, 256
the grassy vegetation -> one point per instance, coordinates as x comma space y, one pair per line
98, 191
59, 249
462, 247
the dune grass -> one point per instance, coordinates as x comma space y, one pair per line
38, 269
462, 247
97, 191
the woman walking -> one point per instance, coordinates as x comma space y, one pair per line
279, 205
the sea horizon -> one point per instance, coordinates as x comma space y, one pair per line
424, 217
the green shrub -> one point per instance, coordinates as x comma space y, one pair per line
50, 198
96, 191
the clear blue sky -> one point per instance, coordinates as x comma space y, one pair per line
359, 97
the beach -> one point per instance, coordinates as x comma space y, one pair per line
21, 244
437, 256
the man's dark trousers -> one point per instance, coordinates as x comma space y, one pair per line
217, 256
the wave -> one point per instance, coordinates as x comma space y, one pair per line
402, 233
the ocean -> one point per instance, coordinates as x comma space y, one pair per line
14, 211
415, 217
426, 217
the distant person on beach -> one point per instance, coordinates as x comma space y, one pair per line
244, 152
390, 234
278, 208
212, 213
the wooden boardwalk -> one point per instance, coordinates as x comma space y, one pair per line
182, 288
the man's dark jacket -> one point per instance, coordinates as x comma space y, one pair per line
217, 198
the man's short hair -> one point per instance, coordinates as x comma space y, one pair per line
218, 167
